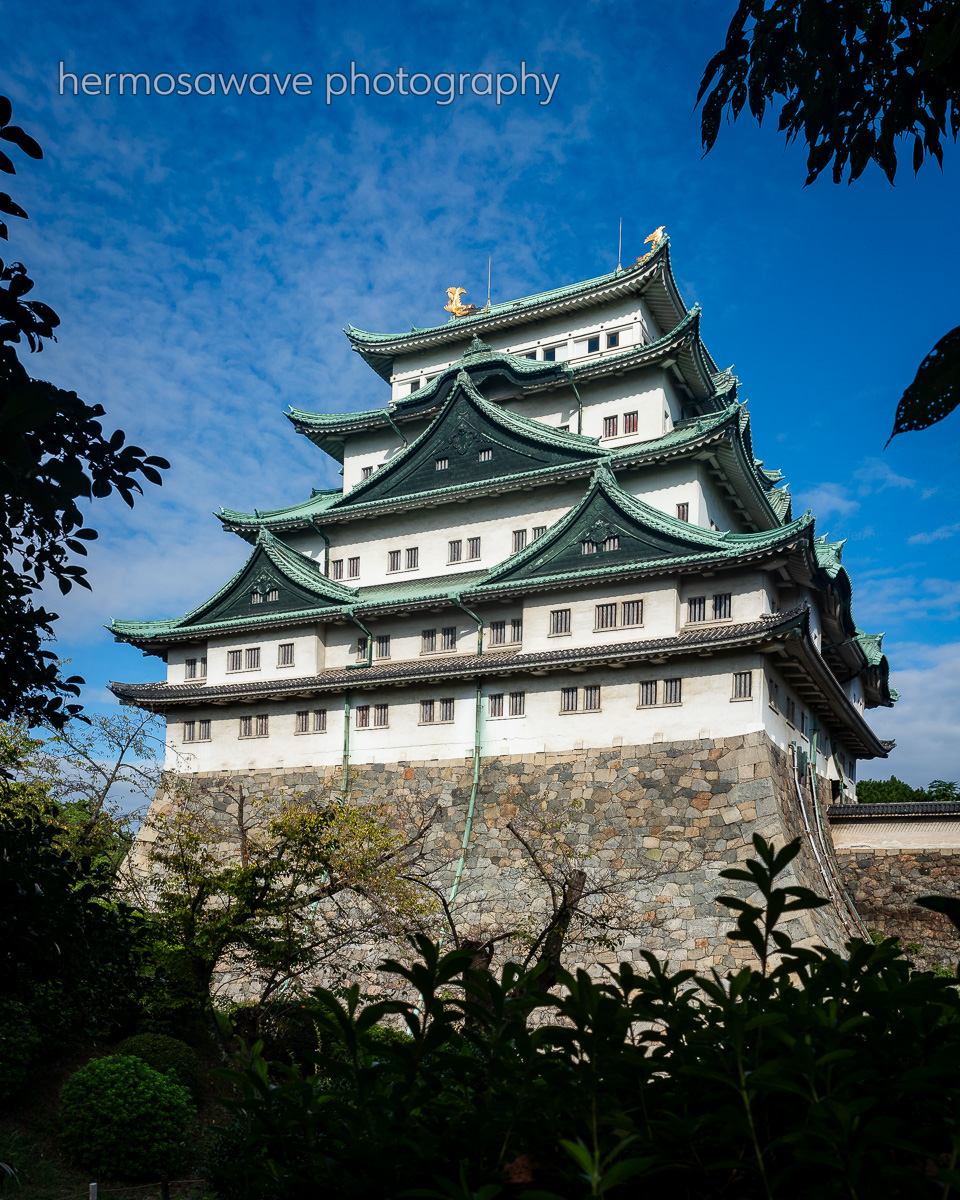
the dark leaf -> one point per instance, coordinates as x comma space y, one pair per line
948, 905
935, 391
6, 165
13, 133
6, 110
7, 205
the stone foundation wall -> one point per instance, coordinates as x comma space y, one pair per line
883, 884
658, 821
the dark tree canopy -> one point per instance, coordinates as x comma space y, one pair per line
53, 455
855, 78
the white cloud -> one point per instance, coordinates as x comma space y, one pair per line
934, 535
826, 500
875, 475
883, 599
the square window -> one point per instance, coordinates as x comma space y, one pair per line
383, 645
263, 725
495, 705
381, 715
613, 339
336, 568
203, 732
671, 691
362, 716
361, 649
285, 657
473, 547
696, 609
721, 606
428, 641
588, 547
485, 455
560, 620
539, 531
319, 720
449, 636
454, 551
189, 731
446, 710
632, 612
519, 540
611, 543
683, 512
516, 629
631, 422
256, 597
393, 560
366, 472
252, 659
648, 694
426, 712
302, 722
610, 426
606, 616
273, 594
413, 558
442, 464
550, 355
353, 568
568, 700
593, 345
591, 697
517, 703
498, 633
234, 660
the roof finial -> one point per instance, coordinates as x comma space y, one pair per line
655, 239
455, 307
620, 247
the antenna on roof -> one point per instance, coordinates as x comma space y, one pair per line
620, 246
489, 267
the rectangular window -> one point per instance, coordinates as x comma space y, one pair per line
303, 722
593, 345
560, 620
319, 720
613, 339
263, 725
519, 539
721, 606
516, 629
606, 616
498, 633
362, 716
803, 723
539, 531
202, 667
189, 731
454, 551
273, 594
631, 422
191, 668
672, 691
446, 710
774, 690
449, 636
428, 641
413, 558
495, 705
696, 609
361, 649
611, 543
530, 354
648, 694
336, 568
246, 726
426, 712
234, 660
588, 547
393, 560
473, 547
203, 731
742, 685
791, 711
568, 700
517, 703
631, 612
285, 655
441, 464
252, 659
609, 426
381, 715
353, 568
383, 645
591, 697
366, 472
256, 597
683, 512
485, 455
550, 355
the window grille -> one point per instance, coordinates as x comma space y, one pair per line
672, 691
683, 512
539, 531
560, 620
791, 711
516, 629
473, 547
426, 712
588, 547
234, 660
303, 722
632, 612
631, 422
413, 558
591, 697
353, 568
202, 667
519, 540
517, 703
256, 597
612, 543
191, 671
648, 693
263, 725
381, 714
189, 731
454, 550
366, 472
696, 609
393, 560
450, 637
721, 606
446, 710
252, 662
203, 731
246, 726
273, 594
568, 700
361, 649
383, 645
428, 641
606, 616
742, 685
609, 427
337, 568
498, 633
319, 720
286, 655
495, 705
485, 455
442, 464
362, 716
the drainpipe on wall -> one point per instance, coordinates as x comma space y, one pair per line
326, 550
360, 625
395, 428
471, 806
569, 374
346, 745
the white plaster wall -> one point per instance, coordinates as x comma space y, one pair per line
307, 651
920, 833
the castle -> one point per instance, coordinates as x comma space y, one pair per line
555, 561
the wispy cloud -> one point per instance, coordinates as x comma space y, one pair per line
827, 500
875, 475
934, 535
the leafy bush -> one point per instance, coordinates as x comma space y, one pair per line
813, 1075
169, 1056
895, 791
122, 1119
18, 1045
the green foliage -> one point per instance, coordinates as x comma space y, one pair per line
895, 791
815, 1076
123, 1119
53, 456
19, 1041
169, 1056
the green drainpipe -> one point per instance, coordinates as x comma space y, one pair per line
569, 373
346, 745
395, 428
360, 625
468, 827
326, 550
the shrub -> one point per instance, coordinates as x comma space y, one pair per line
169, 1056
19, 1041
122, 1119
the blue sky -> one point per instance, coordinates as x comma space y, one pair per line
204, 253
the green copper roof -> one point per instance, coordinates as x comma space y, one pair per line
294, 516
410, 591
300, 584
